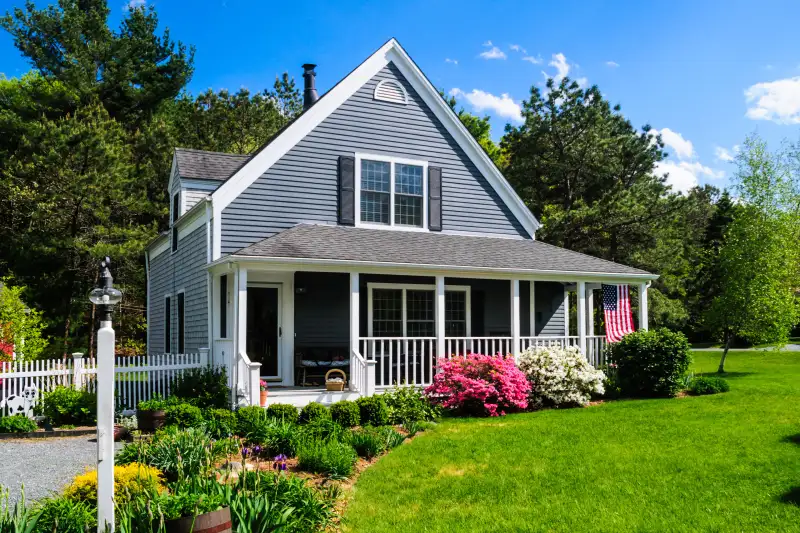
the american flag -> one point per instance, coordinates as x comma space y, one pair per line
617, 308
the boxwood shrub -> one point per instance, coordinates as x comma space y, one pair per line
69, 406
708, 385
346, 413
314, 411
650, 363
220, 423
17, 424
283, 411
184, 416
250, 418
373, 411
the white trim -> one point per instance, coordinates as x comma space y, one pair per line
643, 317
515, 317
173, 172
566, 311
161, 247
419, 287
393, 161
149, 300
581, 316
305, 123
478, 234
286, 280
279, 331
395, 83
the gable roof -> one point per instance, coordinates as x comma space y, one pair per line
296, 130
203, 164
364, 246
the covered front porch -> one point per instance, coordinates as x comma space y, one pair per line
291, 324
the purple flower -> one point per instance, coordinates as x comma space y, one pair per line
245, 452
280, 457
257, 449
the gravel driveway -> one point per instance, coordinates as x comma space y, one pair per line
44, 465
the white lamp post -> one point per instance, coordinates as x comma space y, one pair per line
105, 296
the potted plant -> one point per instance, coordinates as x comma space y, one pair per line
196, 513
150, 414
262, 385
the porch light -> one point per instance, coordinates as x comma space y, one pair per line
105, 294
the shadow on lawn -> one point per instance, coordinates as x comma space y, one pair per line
792, 497
725, 375
793, 439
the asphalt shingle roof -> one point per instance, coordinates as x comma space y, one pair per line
343, 243
201, 164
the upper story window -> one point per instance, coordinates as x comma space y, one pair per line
392, 191
176, 206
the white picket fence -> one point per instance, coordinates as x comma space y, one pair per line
136, 378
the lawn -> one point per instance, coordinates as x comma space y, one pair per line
729, 462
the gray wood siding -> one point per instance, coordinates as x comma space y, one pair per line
170, 273
191, 197
549, 308
302, 185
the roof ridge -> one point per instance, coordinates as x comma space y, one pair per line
197, 150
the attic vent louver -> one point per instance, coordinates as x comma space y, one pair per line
391, 91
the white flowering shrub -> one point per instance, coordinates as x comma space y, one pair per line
560, 376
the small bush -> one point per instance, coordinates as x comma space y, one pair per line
275, 437
650, 363
184, 416
67, 405
373, 411
560, 376
479, 384
64, 515
220, 423
156, 403
335, 459
249, 418
367, 442
322, 429
346, 413
206, 388
17, 424
409, 404
177, 453
283, 411
130, 481
708, 385
314, 411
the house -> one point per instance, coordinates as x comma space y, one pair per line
370, 235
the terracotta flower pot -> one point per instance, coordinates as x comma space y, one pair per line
264, 398
150, 420
213, 522
120, 432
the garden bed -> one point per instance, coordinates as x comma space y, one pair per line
44, 434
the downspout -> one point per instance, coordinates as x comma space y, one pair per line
210, 285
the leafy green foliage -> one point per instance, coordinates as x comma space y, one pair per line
176, 452
323, 429
314, 411
206, 388
249, 418
373, 410
181, 504
220, 423
417, 427
156, 403
184, 416
67, 405
275, 436
650, 363
20, 326
283, 411
64, 515
18, 518
367, 442
17, 424
409, 404
333, 458
346, 413
708, 385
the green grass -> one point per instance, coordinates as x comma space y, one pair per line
728, 462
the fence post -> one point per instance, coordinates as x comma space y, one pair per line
77, 370
203, 356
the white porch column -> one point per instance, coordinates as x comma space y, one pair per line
643, 305
241, 311
515, 325
582, 316
532, 317
566, 312
590, 312
440, 316
355, 302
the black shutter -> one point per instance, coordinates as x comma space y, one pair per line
434, 198
347, 190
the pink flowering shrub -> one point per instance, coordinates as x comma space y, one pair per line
479, 384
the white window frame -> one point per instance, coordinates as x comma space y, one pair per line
417, 287
392, 162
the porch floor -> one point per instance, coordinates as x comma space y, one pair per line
302, 396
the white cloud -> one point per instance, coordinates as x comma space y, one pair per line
559, 61
488, 43
777, 101
723, 154
612, 64
493, 53
535, 60
517, 48
684, 175
672, 139
502, 106
133, 4
582, 82
453, 61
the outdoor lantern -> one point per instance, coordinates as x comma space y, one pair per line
105, 294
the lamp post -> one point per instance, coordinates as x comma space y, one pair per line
105, 296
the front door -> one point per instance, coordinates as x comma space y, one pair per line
264, 328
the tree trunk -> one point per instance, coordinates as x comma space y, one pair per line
728, 337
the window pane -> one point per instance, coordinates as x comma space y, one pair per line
375, 176
375, 207
408, 210
455, 313
408, 179
420, 314
387, 313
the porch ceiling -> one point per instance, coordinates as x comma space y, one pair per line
416, 248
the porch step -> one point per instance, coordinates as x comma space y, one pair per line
302, 396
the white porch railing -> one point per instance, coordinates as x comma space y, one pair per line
595, 345
136, 378
248, 379
400, 360
596, 350
483, 345
362, 374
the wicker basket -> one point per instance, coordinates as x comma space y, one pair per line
337, 386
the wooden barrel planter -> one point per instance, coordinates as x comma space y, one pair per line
213, 522
150, 420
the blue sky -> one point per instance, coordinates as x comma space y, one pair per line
705, 74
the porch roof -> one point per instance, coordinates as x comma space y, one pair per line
343, 244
